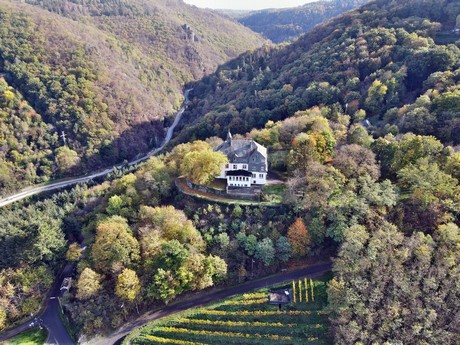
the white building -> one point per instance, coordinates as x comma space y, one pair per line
247, 162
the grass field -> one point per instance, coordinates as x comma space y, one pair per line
32, 337
246, 319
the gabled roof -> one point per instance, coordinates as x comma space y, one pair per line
242, 150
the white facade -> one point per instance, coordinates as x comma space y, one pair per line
238, 181
247, 163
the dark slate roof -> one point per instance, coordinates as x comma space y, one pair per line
244, 151
239, 173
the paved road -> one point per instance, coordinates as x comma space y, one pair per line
57, 185
57, 334
49, 318
210, 297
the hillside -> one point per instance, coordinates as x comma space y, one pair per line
371, 61
106, 73
361, 115
287, 24
360, 118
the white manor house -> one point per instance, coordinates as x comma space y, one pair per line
247, 162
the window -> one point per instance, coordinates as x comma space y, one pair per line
261, 175
254, 175
245, 166
235, 166
226, 166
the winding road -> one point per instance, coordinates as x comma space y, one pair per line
49, 318
57, 185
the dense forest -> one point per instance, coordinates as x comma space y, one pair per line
287, 24
361, 114
106, 74
360, 117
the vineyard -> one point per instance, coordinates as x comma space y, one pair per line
247, 319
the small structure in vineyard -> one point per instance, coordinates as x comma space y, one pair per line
279, 297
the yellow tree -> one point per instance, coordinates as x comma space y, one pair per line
293, 291
128, 285
306, 289
89, 284
201, 167
312, 290
74, 252
300, 291
197, 161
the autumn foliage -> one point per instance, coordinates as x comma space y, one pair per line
299, 238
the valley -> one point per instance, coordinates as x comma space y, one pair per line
358, 119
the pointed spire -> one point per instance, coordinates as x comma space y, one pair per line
229, 136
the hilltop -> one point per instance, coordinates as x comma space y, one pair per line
106, 73
287, 24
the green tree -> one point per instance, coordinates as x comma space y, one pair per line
114, 247
115, 205
66, 159
265, 251
283, 249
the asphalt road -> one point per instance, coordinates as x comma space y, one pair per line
57, 334
57, 185
49, 318
211, 296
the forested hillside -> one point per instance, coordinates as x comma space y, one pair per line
379, 62
287, 24
362, 117
106, 73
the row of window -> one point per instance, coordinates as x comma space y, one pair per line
245, 167
242, 178
238, 178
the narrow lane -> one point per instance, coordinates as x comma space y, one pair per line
57, 185
211, 296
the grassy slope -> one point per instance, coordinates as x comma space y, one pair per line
244, 319
32, 337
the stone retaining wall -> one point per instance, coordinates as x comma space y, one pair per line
233, 195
